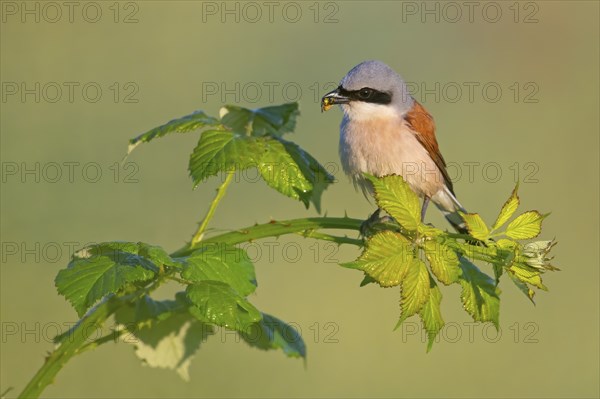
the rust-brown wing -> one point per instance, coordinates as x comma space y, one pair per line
422, 124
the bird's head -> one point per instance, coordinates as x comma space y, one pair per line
370, 90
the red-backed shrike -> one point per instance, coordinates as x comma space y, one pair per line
385, 131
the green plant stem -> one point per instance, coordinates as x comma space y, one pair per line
276, 229
69, 347
75, 343
213, 207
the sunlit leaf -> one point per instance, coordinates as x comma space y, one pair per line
386, 258
443, 261
396, 197
508, 209
526, 225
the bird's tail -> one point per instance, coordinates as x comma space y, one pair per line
449, 205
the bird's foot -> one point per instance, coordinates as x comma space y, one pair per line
367, 227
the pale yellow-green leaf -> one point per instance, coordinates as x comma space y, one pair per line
431, 314
443, 261
386, 258
476, 226
528, 275
415, 289
508, 209
395, 196
526, 225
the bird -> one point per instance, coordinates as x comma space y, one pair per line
385, 131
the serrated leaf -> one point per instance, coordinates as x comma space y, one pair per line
282, 164
523, 287
272, 333
216, 302
527, 274
146, 311
415, 289
431, 313
221, 262
219, 151
274, 120
156, 254
508, 209
526, 225
386, 258
476, 226
100, 270
395, 196
187, 123
443, 261
171, 343
480, 296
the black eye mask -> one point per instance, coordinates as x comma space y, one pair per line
367, 95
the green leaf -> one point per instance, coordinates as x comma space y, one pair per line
283, 165
102, 269
188, 123
415, 289
431, 313
443, 261
219, 151
395, 196
522, 286
156, 254
386, 258
508, 209
476, 226
526, 225
171, 343
274, 120
480, 296
221, 262
146, 311
527, 274
216, 302
272, 333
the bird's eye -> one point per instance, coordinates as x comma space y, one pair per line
365, 93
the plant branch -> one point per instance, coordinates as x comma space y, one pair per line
276, 229
213, 207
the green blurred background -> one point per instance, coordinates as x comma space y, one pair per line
176, 57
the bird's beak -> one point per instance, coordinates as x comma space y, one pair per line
332, 98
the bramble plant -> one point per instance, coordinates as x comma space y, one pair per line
117, 279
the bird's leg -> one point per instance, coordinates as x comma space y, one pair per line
424, 208
365, 226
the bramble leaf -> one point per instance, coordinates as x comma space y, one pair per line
272, 333
415, 289
171, 343
221, 262
508, 209
274, 120
386, 258
216, 302
526, 225
479, 295
283, 165
431, 313
476, 226
443, 261
396, 197
187, 123
102, 269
